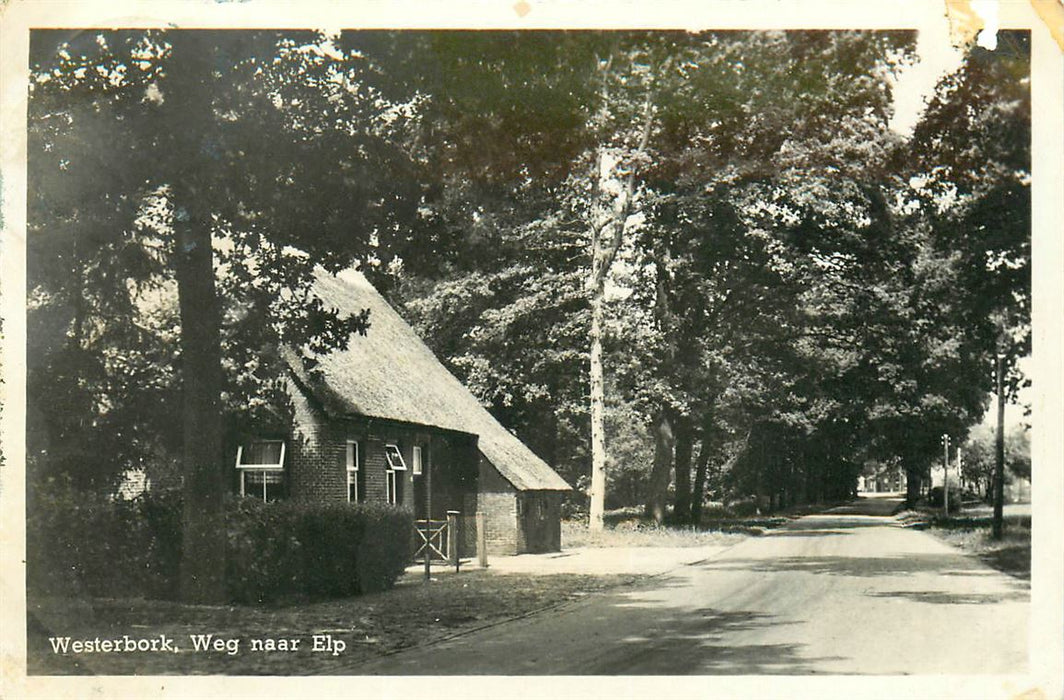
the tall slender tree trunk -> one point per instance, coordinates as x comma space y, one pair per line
666, 424
598, 421
664, 444
997, 525
608, 219
698, 488
684, 446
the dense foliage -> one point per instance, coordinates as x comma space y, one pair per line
85, 543
701, 263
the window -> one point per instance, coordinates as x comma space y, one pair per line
395, 458
392, 488
394, 482
356, 484
261, 466
415, 460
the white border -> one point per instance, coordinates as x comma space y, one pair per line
1047, 649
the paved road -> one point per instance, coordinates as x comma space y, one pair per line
849, 591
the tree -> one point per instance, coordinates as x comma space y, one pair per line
978, 462
751, 213
971, 153
666, 144
561, 164
970, 193
193, 201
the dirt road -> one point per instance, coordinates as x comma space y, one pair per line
845, 592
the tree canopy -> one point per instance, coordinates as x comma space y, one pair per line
678, 265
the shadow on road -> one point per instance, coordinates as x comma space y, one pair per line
945, 598
694, 642
707, 641
673, 642
805, 533
833, 521
848, 566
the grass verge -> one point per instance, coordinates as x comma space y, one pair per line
413, 613
972, 534
629, 527
641, 534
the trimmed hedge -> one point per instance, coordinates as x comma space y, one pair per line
81, 543
283, 549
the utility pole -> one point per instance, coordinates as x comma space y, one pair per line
945, 476
960, 472
999, 467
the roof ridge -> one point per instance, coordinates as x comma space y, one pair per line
391, 373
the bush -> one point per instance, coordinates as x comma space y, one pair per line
744, 509
384, 551
935, 499
161, 516
90, 544
325, 551
264, 551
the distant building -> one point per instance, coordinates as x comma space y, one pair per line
881, 478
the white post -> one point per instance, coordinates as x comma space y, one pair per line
945, 477
960, 477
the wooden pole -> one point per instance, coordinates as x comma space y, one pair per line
426, 468
452, 538
945, 477
999, 467
960, 472
482, 541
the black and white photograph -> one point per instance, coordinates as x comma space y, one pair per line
500, 355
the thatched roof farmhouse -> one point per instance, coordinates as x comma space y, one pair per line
382, 419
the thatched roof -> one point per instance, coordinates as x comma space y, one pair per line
390, 373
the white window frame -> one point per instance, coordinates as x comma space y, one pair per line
415, 460
394, 456
390, 487
245, 469
351, 460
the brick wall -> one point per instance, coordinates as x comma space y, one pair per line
315, 454
374, 461
497, 499
463, 479
316, 461
518, 522
500, 522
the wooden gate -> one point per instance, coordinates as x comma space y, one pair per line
436, 535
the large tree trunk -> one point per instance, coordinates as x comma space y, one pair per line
188, 90
664, 443
912, 487
203, 525
684, 446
